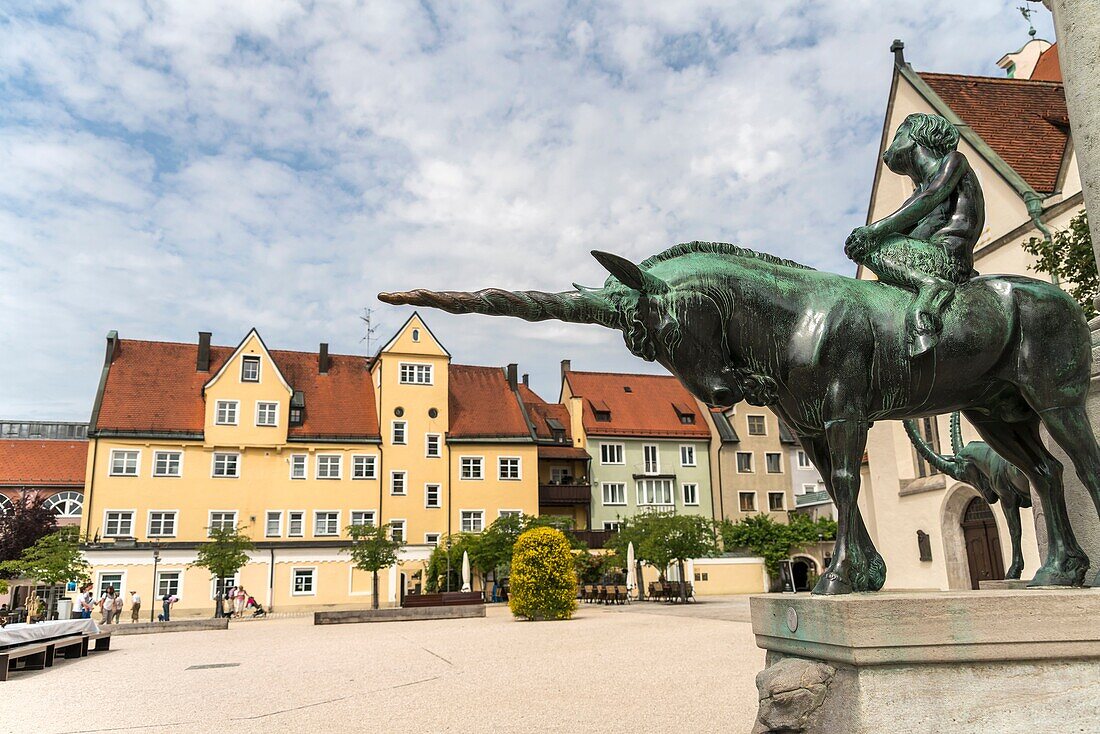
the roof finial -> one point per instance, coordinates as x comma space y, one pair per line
898, 49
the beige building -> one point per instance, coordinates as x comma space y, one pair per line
750, 463
935, 532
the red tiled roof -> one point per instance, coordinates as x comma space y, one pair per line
482, 404
1021, 119
1047, 68
562, 452
647, 409
539, 411
26, 463
154, 387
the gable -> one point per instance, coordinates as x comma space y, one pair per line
415, 338
252, 346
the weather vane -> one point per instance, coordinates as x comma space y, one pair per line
1026, 12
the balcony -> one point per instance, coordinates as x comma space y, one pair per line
562, 495
594, 538
811, 498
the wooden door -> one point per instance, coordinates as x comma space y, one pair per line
983, 544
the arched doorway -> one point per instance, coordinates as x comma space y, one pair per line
983, 544
803, 569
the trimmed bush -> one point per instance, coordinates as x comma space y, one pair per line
543, 584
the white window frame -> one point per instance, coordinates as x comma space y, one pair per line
502, 513
230, 582
612, 525
748, 424
137, 463
368, 461
779, 456
252, 359
684, 493
399, 522
783, 507
432, 539
462, 520
656, 458
275, 416
179, 582
317, 464
804, 460
755, 504
404, 483
214, 465
500, 469
373, 517
99, 585
179, 463
641, 483
809, 488
438, 445
752, 462
267, 522
118, 534
312, 581
404, 424
290, 523
416, 373
317, 517
605, 486
687, 448
479, 462
305, 466
438, 495
210, 519
612, 448
218, 412
175, 523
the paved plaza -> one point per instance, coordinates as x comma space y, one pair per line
646, 667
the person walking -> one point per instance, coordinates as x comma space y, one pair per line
135, 606
107, 604
242, 599
86, 602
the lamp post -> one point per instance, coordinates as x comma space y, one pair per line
153, 596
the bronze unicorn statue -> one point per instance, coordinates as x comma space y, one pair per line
830, 354
986, 471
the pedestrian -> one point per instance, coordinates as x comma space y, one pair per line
86, 602
107, 604
242, 599
166, 606
135, 606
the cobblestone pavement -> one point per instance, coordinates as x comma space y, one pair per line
643, 667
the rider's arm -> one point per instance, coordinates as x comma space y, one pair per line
922, 204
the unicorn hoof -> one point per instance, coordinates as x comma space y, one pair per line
830, 584
1072, 573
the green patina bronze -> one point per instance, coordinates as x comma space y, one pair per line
988, 472
830, 355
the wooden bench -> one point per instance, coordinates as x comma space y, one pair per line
72, 647
102, 641
35, 656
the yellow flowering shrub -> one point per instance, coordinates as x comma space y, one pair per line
543, 584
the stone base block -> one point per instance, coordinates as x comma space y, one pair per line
399, 615
1003, 584
153, 628
980, 661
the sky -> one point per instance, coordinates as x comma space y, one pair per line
170, 168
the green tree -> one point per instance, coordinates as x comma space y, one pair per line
773, 541
222, 556
662, 538
1069, 256
52, 559
444, 570
372, 549
544, 578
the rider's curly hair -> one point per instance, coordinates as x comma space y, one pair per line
933, 132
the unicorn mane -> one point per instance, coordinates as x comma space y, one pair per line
719, 248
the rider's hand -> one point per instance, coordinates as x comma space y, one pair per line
858, 243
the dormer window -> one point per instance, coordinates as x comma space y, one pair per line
601, 410
686, 414
557, 430
297, 414
250, 369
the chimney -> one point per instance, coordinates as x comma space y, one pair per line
566, 366
202, 364
322, 359
526, 380
513, 375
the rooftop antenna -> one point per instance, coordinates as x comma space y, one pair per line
366, 318
1026, 12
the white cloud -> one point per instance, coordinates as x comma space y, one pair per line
174, 167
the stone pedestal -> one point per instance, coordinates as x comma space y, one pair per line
1011, 661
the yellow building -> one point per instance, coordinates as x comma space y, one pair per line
293, 447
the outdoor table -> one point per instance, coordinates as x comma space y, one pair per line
21, 634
